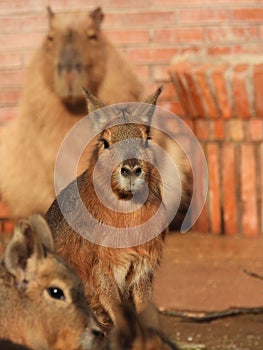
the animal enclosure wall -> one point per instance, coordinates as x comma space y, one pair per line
151, 34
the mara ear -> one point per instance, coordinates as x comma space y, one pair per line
21, 248
26, 244
128, 329
42, 230
94, 105
50, 14
146, 110
152, 99
97, 15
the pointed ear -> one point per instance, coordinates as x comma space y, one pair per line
97, 15
93, 102
42, 230
26, 244
21, 248
146, 110
97, 115
51, 15
128, 329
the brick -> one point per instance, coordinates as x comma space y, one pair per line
255, 129
248, 14
229, 189
10, 24
205, 92
218, 127
18, 6
4, 212
11, 78
249, 215
160, 72
196, 97
235, 131
219, 81
202, 223
7, 114
36, 23
173, 107
177, 3
240, 86
180, 35
249, 48
128, 37
258, 89
200, 188
20, 40
202, 129
261, 185
10, 60
142, 71
219, 50
9, 97
61, 5
201, 16
8, 226
189, 124
185, 95
228, 34
139, 19
151, 55
213, 159
169, 92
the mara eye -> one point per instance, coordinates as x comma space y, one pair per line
92, 36
50, 37
56, 293
146, 144
105, 143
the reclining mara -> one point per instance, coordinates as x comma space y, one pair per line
42, 302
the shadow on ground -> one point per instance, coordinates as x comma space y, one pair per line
206, 273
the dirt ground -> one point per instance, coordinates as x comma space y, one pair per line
206, 273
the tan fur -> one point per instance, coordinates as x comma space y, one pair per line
135, 332
31, 313
74, 54
112, 275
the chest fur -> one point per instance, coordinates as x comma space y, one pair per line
133, 271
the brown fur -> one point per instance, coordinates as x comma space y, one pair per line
135, 332
32, 313
74, 54
112, 275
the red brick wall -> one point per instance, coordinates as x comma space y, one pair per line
150, 33
222, 97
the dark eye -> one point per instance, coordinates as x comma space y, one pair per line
50, 37
56, 293
93, 36
146, 144
105, 143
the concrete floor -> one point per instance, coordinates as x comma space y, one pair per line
206, 272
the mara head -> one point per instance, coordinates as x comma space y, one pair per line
43, 296
123, 149
74, 44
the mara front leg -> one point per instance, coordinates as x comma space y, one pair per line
106, 300
142, 292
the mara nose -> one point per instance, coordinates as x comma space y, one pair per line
128, 171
